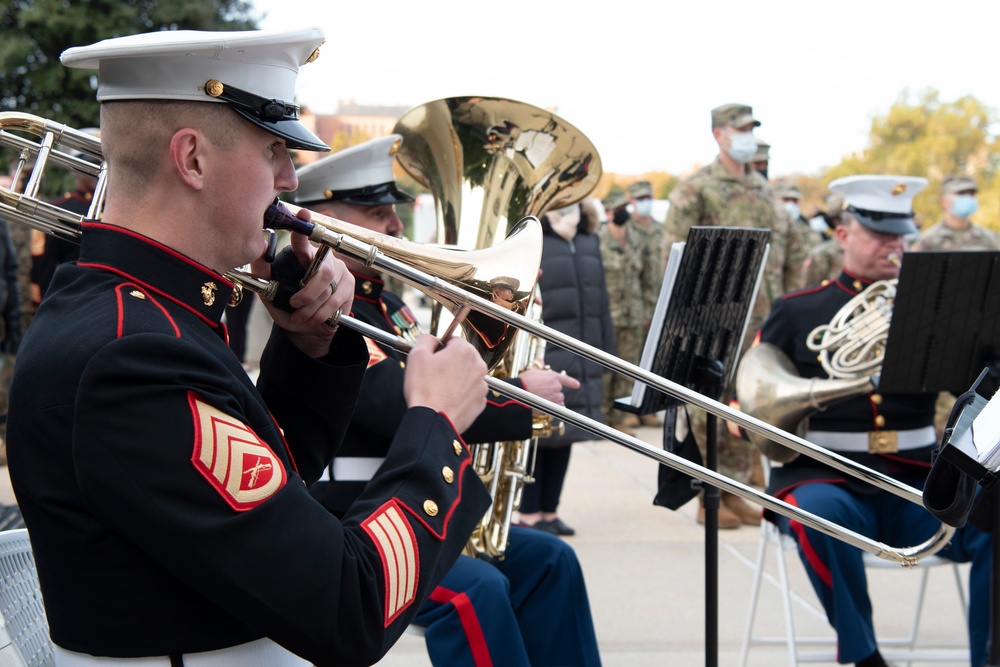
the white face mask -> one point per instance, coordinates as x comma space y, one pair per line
643, 207
963, 206
742, 146
793, 210
819, 224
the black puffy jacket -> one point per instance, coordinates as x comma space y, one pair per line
575, 302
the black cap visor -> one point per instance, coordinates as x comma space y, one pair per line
273, 116
371, 195
899, 224
294, 133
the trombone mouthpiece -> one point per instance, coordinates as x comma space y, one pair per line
277, 216
894, 258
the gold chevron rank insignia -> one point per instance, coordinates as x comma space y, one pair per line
397, 546
375, 353
237, 463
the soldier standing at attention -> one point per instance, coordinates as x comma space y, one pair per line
650, 233
825, 260
762, 158
788, 195
728, 193
622, 255
956, 231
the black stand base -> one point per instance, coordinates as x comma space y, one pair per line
993, 657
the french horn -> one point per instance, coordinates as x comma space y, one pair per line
850, 348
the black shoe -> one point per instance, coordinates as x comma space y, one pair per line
554, 527
561, 528
544, 526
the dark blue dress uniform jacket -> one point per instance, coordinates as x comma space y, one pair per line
166, 496
381, 405
793, 316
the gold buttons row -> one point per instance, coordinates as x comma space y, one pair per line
431, 507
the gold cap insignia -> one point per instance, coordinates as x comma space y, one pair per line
314, 55
395, 147
136, 294
366, 287
214, 87
899, 189
328, 194
208, 293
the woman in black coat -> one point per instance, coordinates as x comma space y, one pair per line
574, 302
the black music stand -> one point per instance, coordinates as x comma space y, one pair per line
945, 331
945, 323
695, 340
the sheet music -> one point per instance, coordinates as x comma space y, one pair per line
662, 302
986, 434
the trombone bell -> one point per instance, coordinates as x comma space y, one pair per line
504, 274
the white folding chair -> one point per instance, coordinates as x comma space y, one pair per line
24, 635
899, 649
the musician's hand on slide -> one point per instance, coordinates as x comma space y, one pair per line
450, 380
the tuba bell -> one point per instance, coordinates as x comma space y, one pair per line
489, 162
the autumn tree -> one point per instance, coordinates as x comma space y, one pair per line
933, 138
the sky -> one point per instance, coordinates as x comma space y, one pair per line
639, 77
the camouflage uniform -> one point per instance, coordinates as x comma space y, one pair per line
623, 265
810, 236
711, 197
823, 262
943, 237
651, 240
21, 236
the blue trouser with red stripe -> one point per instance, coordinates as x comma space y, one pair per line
838, 575
531, 608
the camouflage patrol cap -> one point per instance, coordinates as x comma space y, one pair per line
834, 204
733, 115
958, 183
614, 199
763, 153
787, 190
640, 189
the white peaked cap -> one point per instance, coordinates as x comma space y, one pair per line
361, 174
245, 69
883, 203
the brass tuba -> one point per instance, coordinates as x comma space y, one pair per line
850, 348
489, 162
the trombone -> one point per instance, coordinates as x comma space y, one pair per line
463, 285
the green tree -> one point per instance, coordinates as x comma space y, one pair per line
933, 138
33, 33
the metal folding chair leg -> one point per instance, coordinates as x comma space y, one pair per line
898, 649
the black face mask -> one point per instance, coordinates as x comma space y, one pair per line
763, 172
620, 217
